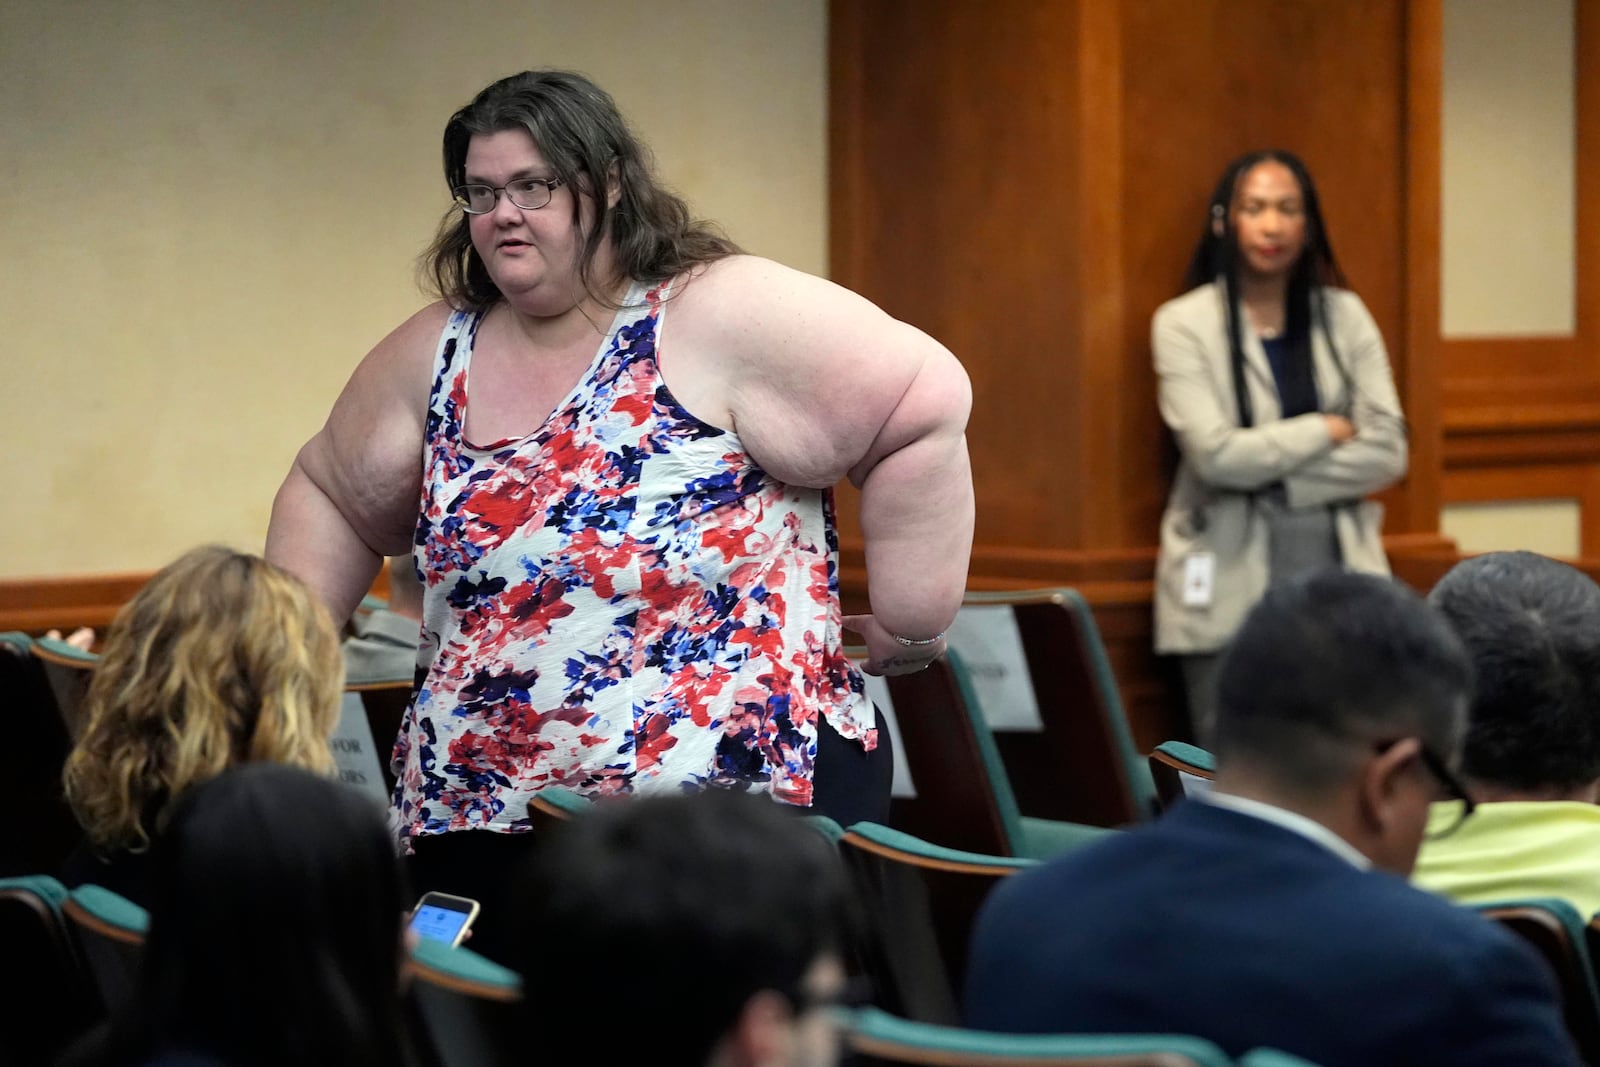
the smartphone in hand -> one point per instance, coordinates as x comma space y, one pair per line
442, 917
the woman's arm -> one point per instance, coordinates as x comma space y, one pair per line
1222, 453
822, 385
1375, 458
351, 496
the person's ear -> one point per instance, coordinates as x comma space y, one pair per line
762, 1034
1386, 784
613, 186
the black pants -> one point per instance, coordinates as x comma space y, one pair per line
848, 785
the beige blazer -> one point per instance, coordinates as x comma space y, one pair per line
1212, 508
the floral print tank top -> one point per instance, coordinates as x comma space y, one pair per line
621, 601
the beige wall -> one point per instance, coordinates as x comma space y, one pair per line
212, 210
1508, 169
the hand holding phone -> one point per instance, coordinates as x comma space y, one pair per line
442, 917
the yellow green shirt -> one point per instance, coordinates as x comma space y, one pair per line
1516, 850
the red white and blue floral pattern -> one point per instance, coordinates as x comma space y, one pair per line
622, 601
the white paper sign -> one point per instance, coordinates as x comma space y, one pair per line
353, 751
986, 638
878, 693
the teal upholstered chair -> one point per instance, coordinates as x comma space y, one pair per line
920, 900
552, 806
1178, 769
50, 1000
108, 931
964, 797
876, 1037
828, 828
466, 1007
1083, 766
1556, 930
67, 668
1027, 836
42, 840
1271, 1057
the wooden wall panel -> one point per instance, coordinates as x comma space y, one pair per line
1208, 80
954, 183
1516, 400
1026, 180
1063, 156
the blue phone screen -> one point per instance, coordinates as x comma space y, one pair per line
438, 924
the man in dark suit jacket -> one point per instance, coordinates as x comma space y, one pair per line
1274, 911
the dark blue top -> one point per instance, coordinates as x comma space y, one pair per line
1295, 397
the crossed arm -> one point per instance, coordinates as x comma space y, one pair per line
1301, 452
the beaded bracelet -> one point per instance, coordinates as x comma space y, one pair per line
909, 643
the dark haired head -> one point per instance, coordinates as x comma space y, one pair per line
587, 144
1532, 627
1330, 663
276, 901
1216, 258
683, 907
1217, 253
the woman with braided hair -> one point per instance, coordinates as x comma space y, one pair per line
1274, 381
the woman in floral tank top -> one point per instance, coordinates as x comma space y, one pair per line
612, 445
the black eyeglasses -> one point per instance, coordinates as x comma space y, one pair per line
530, 194
1459, 802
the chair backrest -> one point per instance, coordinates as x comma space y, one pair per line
1178, 769
1087, 768
46, 836
385, 704
50, 999
467, 1008
830, 830
1559, 933
552, 806
876, 1037
108, 931
920, 900
963, 799
67, 668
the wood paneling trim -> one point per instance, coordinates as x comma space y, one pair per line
1500, 448
63, 602
38, 604
1109, 577
1424, 88
1473, 362
1543, 481
1513, 407
1586, 69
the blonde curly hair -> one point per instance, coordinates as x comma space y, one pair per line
222, 658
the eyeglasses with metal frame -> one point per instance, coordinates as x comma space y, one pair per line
530, 194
